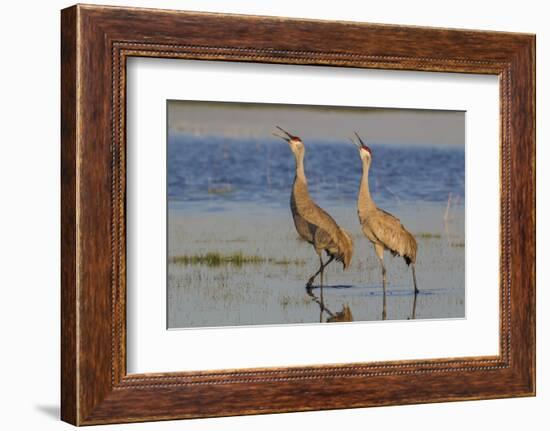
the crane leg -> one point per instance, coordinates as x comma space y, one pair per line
322, 272
312, 278
413, 316
384, 306
414, 280
380, 253
322, 300
322, 267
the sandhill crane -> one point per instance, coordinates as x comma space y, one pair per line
312, 223
380, 227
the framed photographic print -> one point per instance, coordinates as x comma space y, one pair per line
263, 215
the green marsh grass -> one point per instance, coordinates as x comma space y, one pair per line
215, 259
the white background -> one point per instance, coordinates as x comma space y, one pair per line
29, 228
151, 348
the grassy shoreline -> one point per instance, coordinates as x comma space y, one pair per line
215, 259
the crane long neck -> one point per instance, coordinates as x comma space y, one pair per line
300, 173
365, 202
300, 180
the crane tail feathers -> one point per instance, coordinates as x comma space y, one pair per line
346, 248
410, 253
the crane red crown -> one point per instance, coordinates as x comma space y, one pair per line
363, 146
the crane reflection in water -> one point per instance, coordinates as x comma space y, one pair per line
345, 314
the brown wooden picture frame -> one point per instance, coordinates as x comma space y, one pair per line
96, 41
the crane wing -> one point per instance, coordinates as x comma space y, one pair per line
389, 230
329, 235
311, 220
317, 216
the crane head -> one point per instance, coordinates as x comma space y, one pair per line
295, 142
364, 150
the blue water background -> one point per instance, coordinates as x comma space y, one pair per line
215, 173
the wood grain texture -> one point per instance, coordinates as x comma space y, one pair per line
68, 218
96, 41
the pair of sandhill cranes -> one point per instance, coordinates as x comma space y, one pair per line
319, 229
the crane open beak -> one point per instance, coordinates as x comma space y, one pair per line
360, 140
362, 144
282, 137
288, 136
358, 145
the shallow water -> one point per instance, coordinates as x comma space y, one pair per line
273, 293
232, 196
